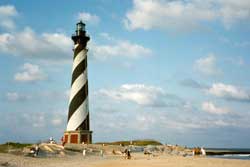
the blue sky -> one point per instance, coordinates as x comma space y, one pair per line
175, 71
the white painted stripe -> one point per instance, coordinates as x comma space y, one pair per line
78, 117
76, 45
78, 84
79, 58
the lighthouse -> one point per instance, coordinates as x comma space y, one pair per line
78, 129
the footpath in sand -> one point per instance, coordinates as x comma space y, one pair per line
56, 156
138, 160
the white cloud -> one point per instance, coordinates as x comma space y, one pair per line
47, 46
43, 119
141, 94
57, 121
44, 95
138, 93
207, 65
234, 43
38, 121
145, 122
30, 73
107, 36
31, 125
57, 47
52, 94
229, 92
181, 15
119, 49
57, 40
14, 96
222, 123
7, 12
211, 108
233, 11
88, 18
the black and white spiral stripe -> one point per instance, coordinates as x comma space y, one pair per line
78, 102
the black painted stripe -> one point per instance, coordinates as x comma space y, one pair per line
80, 68
78, 99
85, 124
78, 49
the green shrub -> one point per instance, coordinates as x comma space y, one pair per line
12, 145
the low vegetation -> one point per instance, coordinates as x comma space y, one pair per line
4, 148
133, 142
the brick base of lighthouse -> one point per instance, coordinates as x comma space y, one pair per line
78, 137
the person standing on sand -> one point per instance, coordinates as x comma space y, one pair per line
203, 152
101, 152
84, 152
36, 150
128, 154
63, 141
51, 140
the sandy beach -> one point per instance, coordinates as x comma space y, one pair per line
138, 160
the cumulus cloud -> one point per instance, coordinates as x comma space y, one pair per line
14, 96
229, 92
239, 44
207, 65
154, 122
180, 15
30, 73
42, 120
211, 108
47, 46
118, 48
232, 11
7, 13
144, 122
57, 121
107, 36
57, 47
31, 126
52, 94
141, 94
88, 18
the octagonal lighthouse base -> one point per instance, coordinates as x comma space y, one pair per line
77, 137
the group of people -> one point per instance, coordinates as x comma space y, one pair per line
199, 151
34, 151
127, 154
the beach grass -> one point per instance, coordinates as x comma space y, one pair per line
133, 142
4, 148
